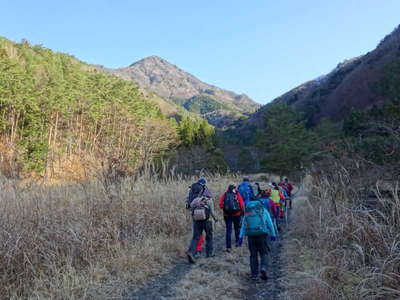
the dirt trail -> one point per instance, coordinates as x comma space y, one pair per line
163, 286
226, 276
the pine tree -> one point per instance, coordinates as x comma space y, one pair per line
288, 145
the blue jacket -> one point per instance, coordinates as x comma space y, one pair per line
267, 220
246, 191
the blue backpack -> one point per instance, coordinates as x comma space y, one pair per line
246, 191
255, 223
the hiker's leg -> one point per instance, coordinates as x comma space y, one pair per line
236, 225
263, 250
199, 246
253, 255
228, 223
199, 242
197, 231
209, 238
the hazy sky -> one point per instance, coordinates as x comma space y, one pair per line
261, 48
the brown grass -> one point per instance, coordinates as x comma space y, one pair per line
91, 240
345, 241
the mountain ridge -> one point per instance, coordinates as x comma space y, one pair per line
354, 84
167, 80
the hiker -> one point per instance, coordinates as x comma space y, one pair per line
267, 201
246, 190
258, 226
288, 187
231, 202
278, 197
197, 189
259, 190
203, 215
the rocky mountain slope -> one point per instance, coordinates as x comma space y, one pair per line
220, 107
355, 84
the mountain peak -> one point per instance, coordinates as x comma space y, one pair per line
151, 59
156, 74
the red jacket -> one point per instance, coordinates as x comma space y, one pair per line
241, 203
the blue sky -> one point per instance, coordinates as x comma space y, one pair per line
259, 47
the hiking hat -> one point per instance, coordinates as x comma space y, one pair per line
202, 181
246, 179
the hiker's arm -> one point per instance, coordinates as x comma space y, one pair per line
269, 223
241, 202
251, 191
187, 198
221, 200
193, 203
212, 211
242, 228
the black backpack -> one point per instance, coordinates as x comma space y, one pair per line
196, 190
231, 203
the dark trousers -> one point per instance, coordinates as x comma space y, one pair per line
198, 228
229, 221
258, 245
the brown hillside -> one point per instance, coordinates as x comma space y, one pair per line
354, 84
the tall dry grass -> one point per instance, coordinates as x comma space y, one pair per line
345, 239
92, 240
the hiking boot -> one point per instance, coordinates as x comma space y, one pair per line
197, 255
228, 250
191, 258
264, 275
254, 277
210, 255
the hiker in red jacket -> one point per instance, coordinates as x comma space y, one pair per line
233, 206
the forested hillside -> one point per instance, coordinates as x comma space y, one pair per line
345, 102
353, 85
61, 117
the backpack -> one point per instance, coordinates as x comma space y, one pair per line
200, 209
196, 190
255, 223
231, 203
245, 191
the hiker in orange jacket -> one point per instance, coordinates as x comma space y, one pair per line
233, 206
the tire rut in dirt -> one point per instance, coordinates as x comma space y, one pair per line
162, 287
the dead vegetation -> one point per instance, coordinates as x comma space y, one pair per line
346, 242
91, 240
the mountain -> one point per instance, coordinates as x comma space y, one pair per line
62, 118
355, 84
219, 106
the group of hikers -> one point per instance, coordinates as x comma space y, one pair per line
250, 212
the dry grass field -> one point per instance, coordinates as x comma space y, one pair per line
346, 240
91, 240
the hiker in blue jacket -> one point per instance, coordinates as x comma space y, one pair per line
258, 226
246, 190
